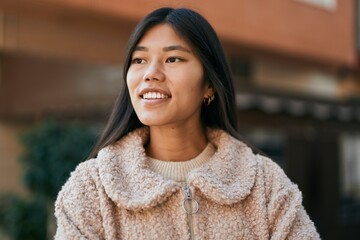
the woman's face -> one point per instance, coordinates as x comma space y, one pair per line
166, 80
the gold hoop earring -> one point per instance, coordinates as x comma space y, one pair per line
208, 100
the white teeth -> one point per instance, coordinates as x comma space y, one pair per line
154, 95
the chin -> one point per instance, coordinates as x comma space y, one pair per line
151, 121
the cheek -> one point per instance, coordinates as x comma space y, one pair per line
131, 83
197, 82
194, 94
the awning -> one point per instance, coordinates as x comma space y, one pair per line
299, 107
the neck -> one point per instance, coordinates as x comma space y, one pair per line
176, 143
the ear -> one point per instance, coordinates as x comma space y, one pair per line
209, 91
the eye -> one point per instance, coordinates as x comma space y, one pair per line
138, 61
173, 59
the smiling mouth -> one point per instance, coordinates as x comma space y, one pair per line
154, 95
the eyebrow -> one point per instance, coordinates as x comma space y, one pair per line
176, 47
165, 49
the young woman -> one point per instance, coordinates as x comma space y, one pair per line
169, 164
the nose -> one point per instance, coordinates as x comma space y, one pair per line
154, 72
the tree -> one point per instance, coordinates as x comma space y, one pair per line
52, 151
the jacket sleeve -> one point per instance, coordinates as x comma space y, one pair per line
77, 207
286, 215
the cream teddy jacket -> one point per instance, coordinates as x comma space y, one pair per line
239, 195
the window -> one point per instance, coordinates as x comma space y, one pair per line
350, 179
326, 4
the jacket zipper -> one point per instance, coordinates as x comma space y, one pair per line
189, 208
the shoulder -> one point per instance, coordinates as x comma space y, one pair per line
286, 215
278, 187
268, 175
84, 173
77, 207
272, 172
82, 181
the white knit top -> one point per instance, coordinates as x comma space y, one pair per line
178, 171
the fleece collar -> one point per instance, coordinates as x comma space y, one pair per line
226, 178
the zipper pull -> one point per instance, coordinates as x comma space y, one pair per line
187, 193
190, 205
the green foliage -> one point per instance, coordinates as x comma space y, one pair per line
52, 151
21, 219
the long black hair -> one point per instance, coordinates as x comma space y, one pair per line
203, 40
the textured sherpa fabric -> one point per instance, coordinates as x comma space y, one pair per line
240, 195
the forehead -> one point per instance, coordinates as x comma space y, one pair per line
162, 35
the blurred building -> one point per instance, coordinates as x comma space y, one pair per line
296, 70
